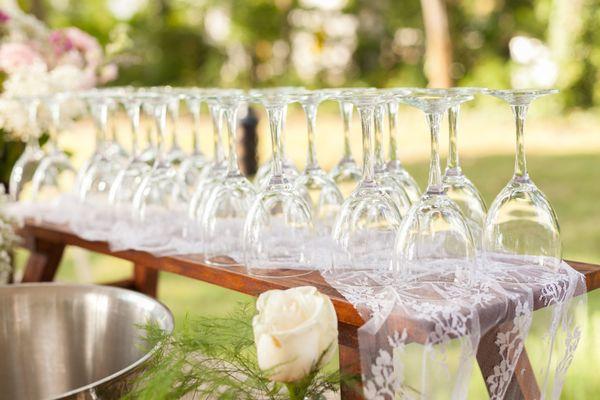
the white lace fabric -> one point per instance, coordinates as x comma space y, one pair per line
422, 337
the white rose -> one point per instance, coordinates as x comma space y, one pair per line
292, 331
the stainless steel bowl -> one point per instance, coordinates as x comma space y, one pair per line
61, 341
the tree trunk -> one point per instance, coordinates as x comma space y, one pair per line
438, 53
38, 9
565, 26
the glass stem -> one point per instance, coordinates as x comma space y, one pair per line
101, 120
275, 115
379, 153
216, 115
174, 117
520, 113
55, 118
366, 119
134, 117
435, 185
393, 126
453, 162
311, 121
233, 168
194, 107
32, 115
161, 129
346, 110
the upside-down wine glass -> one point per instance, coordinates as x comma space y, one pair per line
460, 188
384, 179
521, 220
148, 153
324, 195
195, 165
24, 168
55, 175
346, 173
369, 218
175, 155
160, 193
279, 222
434, 237
114, 150
223, 217
289, 169
215, 171
394, 166
95, 179
129, 178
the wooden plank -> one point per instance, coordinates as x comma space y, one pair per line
43, 260
234, 277
145, 279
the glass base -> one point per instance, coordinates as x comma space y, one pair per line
221, 261
277, 272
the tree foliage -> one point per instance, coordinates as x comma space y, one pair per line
171, 41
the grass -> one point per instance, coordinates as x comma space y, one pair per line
570, 182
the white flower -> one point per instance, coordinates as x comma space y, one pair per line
293, 329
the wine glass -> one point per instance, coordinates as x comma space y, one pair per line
159, 197
148, 153
367, 222
460, 188
129, 178
279, 222
289, 169
215, 172
222, 220
323, 194
394, 166
384, 179
54, 175
521, 221
346, 173
24, 168
434, 236
194, 167
113, 149
175, 155
95, 179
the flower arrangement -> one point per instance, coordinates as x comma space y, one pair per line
36, 60
278, 353
8, 241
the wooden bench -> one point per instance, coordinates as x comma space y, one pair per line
46, 243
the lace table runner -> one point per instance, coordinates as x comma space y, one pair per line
422, 337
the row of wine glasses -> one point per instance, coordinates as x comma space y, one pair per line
279, 224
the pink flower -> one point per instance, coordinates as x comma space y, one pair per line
4, 17
60, 42
86, 44
16, 56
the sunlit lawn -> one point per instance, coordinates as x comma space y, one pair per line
571, 183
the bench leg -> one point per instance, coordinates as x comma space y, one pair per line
350, 364
523, 385
43, 261
145, 280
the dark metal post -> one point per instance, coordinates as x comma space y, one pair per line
249, 143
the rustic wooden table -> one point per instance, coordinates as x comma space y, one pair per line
47, 242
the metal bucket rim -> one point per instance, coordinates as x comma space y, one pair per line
169, 328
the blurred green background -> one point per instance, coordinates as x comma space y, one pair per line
316, 43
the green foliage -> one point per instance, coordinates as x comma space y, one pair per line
10, 151
215, 358
170, 45
8, 243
